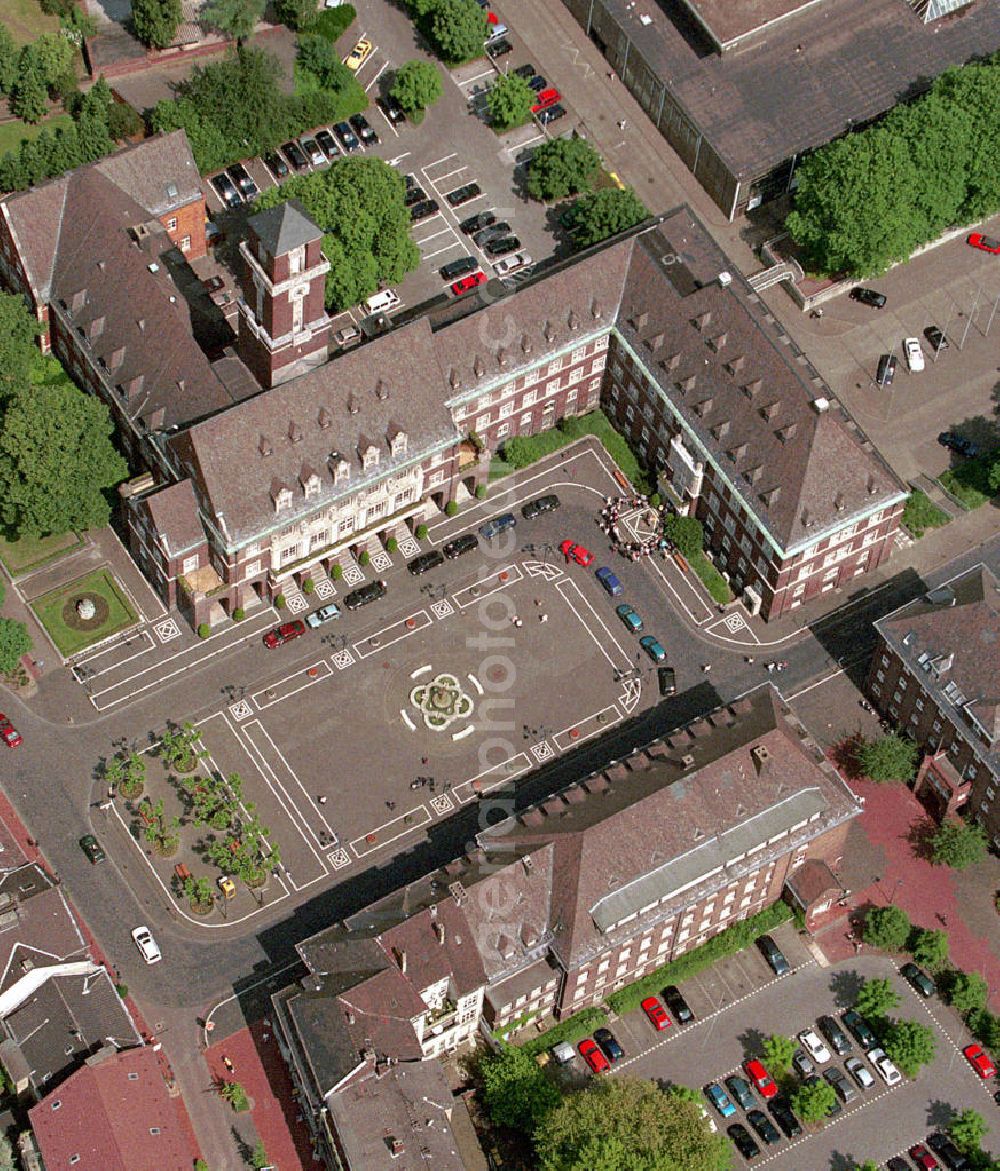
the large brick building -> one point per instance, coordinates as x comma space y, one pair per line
269, 464
557, 907
936, 674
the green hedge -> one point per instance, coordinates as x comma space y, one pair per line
969, 482
711, 579
572, 1029
332, 23
726, 943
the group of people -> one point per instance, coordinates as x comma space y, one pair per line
654, 516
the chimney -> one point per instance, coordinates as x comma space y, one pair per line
455, 379
323, 418
595, 310
352, 404
264, 445
687, 760
573, 321
477, 367
550, 333
439, 932
760, 755
525, 343
502, 358
294, 432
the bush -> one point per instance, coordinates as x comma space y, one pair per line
421, 532
687, 533
969, 482
279, 602
887, 928
337, 572
122, 990
481, 491
889, 758
308, 586
711, 579
451, 508
571, 1030
919, 514
239, 614
656, 500
391, 545
958, 844
364, 557
204, 630
561, 167
332, 23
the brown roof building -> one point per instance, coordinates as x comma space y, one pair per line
936, 673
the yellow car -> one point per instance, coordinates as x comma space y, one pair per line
359, 54
227, 886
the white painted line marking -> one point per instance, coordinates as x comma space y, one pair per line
404, 715
466, 731
475, 683
421, 671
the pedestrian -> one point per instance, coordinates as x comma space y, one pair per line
611, 75
621, 124
543, 617
518, 622
425, 760
706, 667
321, 799
749, 658
230, 1068
390, 805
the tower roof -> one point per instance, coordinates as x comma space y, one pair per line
284, 228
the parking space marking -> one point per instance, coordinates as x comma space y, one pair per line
94, 674
314, 673
412, 819
382, 68
502, 773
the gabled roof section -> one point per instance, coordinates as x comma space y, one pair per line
159, 174
284, 227
176, 520
35, 219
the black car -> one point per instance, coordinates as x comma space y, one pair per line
859, 1029
918, 979
666, 679
243, 180
536, 507
525, 71
842, 1087
365, 594
424, 209
327, 144
947, 1152
958, 444
476, 223
425, 562
414, 194
92, 848
609, 1045
743, 1141
276, 165
835, 1035
392, 109
782, 1113
774, 956
364, 129
897, 1164
463, 194
466, 543
227, 190
763, 1126
456, 268
296, 159
500, 246
491, 230
499, 48
886, 370
348, 139
740, 1092
936, 338
552, 114
679, 1008
869, 297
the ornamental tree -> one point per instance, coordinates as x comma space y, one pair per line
958, 844
516, 1091
910, 1045
813, 1101
15, 641
930, 947
561, 167
606, 213
876, 998
509, 101
416, 86
966, 991
778, 1052
155, 22
457, 29
968, 1130
889, 758
887, 928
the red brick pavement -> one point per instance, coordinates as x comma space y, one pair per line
259, 1067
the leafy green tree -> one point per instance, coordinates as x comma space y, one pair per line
235, 1095
234, 18
516, 1091
867, 1165
968, 1130
155, 22
627, 1123
8, 1160
889, 758
686, 532
561, 167
972, 92
14, 642
53, 55
966, 991
606, 213
909, 1044
9, 55
930, 947
180, 746
319, 56
778, 1052
985, 1028
126, 772
259, 1157
813, 1101
887, 928
19, 354
158, 829
416, 86
876, 997
295, 13
457, 29
958, 844
29, 98
198, 892
509, 101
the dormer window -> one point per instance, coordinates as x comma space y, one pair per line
369, 457
310, 484
397, 443
281, 494
341, 471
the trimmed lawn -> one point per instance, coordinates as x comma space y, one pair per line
27, 21
11, 133
29, 552
103, 588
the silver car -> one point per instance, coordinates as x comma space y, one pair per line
324, 614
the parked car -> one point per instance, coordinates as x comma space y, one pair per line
914, 354
980, 1061
860, 1072
497, 525
226, 190
886, 370
460, 545
346, 136
547, 97
468, 283
764, 1127
743, 1141
425, 562
720, 1099
830, 1029
859, 1029
499, 48
630, 617
359, 54
93, 849
898, 1164
552, 114
276, 165
370, 592
296, 159
456, 268
783, 1115
918, 979
803, 1064
501, 245
947, 1152
958, 444
666, 680
740, 1091
144, 941
538, 82
869, 297
563, 1052
762, 1080
536, 507
655, 1013
609, 1044
324, 614
884, 1067
244, 181
477, 222
284, 633
923, 1158
328, 144
813, 1045
363, 129
463, 194
591, 1053
774, 956
525, 71
508, 264
609, 581
574, 552
492, 231
9, 734
936, 338
392, 110
311, 149
652, 648
984, 243
843, 1088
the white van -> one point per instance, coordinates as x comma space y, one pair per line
382, 302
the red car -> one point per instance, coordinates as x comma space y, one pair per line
591, 1053
284, 633
763, 1081
656, 1013
11, 736
468, 282
548, 97
923, 1158
980, 1061
571, 551
984, 243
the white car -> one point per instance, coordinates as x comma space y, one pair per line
914, 354
324, 614
148, 949
812, 1043
860, 1072
884, 1067
508, 264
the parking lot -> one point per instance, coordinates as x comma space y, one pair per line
739, 1003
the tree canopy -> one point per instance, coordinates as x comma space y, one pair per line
561, 167
629, 1125
887, 928
966, 991
416, 86
813, 1100
516, 1091
967, 1130
686, 532
456, 28
778, 1052
876, 997
958, 844
889, 758
155, 22
235, 18
910, 1045
509, 101
930, 947
14, 642
606, 213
